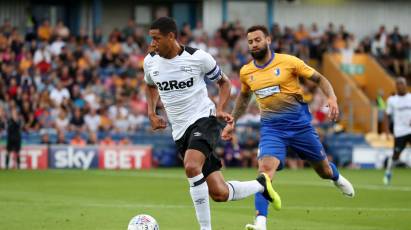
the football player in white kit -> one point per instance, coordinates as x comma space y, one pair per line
399, 108
176, 75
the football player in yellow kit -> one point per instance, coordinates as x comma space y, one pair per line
285, 118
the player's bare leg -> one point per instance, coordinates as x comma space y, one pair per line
8, 155
216, 187
193, 164
269, 166
391, 163
221, 191
327, 170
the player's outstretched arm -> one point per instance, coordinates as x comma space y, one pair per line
328, 90
241, 104
224, 85
387, 117
152, 96
240, 107
386, 123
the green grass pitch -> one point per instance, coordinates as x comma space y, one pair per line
74, 199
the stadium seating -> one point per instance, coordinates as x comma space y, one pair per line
340, 146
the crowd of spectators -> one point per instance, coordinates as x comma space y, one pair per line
59, 80
393, 49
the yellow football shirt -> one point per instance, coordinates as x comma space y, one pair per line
276, 84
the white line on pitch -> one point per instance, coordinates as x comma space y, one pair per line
174, 206
296, 183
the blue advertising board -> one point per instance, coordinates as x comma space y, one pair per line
70, 157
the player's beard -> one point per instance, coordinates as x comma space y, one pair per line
260, 54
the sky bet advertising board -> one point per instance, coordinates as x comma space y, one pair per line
125, 157
103, 157
69, 157
31, 157
87, 157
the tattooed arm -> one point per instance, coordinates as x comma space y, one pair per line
328, 90
240, 107
241, 104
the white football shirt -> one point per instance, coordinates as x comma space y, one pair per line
399, 107
181, 85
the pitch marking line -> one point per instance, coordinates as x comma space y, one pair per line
172, 206
297, 183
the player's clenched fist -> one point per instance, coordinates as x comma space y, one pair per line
227, 133
157, 122
333, 109
225, 116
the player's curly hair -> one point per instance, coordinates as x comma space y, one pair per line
165, 25
260, 28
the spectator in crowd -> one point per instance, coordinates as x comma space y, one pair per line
44, 32
98, 36
46, 120
199, 30
137, 120
92, 138
61, 31
106, 123
77, 121
6, 28
107, 140
62, 121
92, 121
124, 141
400, 59
42, 58
59, 93
121, 123
45, 137
57, 46
129, 30
198, 43
118, 110
77, 140
13, 137
61, 138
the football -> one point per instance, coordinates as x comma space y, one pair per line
143, 222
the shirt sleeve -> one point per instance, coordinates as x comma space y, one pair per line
147, 77
211, 69
244, 86
301, 69
389, 110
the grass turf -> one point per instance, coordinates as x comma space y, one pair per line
71, 199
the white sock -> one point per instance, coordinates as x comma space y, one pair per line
261, 221
391, 163
199, 195
240, 190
